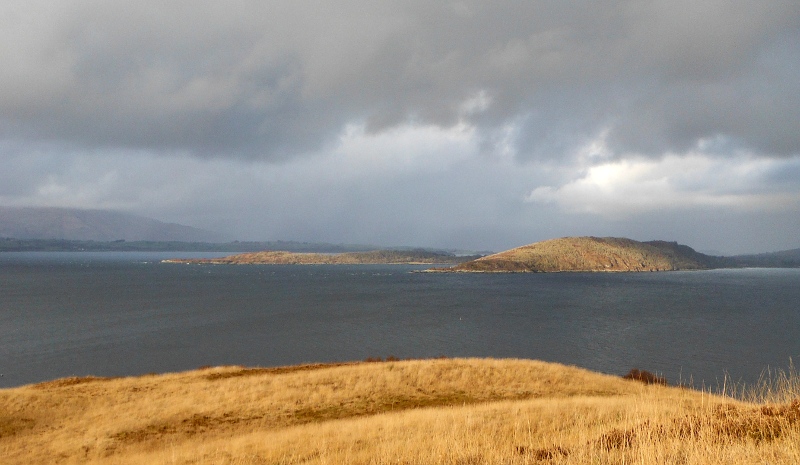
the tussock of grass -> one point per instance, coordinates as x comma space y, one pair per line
774, 385
453, 411
645, 377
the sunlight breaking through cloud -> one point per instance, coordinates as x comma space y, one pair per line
630, 186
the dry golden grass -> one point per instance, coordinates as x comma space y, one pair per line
451, 411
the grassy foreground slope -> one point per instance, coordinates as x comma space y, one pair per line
452, 411
592, 254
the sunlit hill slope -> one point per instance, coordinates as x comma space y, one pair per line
449, 411
593, 254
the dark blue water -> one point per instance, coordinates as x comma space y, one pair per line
111, 314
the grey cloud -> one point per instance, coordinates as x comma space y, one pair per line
469, 202
275, 79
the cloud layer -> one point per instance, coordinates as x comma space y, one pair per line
276, 79
405, 122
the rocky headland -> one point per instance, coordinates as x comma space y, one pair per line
592, 254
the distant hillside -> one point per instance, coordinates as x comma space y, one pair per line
63, 245
783, 259
351, 258
93, 225
593, 254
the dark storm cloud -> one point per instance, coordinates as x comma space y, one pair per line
275, 79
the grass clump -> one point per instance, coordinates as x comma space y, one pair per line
774, 385
645, 377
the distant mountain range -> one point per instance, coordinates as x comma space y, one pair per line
94, 225
52, 229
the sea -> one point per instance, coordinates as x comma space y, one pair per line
127, 313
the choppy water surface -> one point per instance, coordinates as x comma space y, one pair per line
111, 314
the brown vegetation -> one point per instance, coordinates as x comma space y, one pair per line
590, 254
448, 411
645, 377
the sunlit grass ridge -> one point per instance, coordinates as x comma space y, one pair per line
451, 411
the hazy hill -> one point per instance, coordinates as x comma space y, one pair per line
593, 254
94, 225
782, 259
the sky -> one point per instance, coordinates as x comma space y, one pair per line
451, 124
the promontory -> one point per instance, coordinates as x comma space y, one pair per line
376, 257
591, 254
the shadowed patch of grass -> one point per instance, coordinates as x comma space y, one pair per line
191, 426
546, 453
201, 423
71, 381
9, 426
273, 370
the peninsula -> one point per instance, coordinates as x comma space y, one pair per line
376, 257
592, 254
